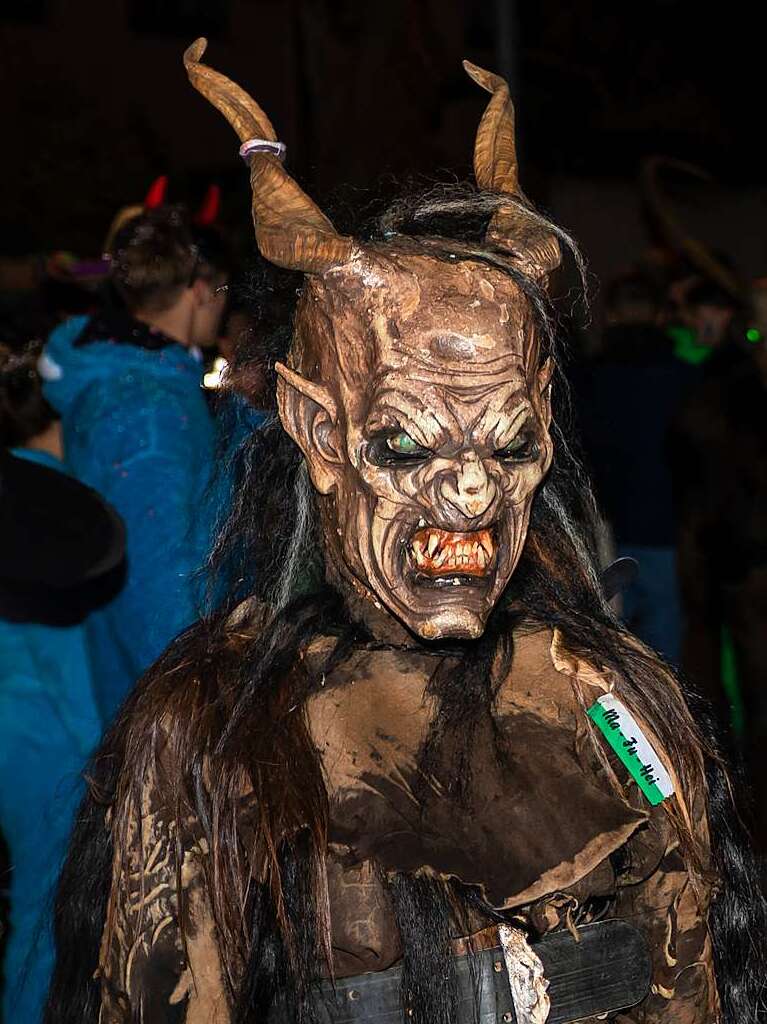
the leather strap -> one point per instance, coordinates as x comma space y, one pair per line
607, 969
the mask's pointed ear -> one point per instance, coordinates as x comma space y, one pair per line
309, 414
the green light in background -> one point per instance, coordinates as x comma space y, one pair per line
686, 346
753, 335
732, 688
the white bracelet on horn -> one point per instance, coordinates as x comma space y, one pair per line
247, 149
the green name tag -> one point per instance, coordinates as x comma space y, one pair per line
621, 731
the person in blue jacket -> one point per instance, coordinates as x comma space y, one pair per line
49, 724
127, 384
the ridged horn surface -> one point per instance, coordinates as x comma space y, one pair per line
291, 230
514, 227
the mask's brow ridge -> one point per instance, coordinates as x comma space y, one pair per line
410, 414
501, 433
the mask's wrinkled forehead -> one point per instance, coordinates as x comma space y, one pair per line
455, 323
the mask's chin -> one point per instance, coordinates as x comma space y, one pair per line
443, 584
451, 624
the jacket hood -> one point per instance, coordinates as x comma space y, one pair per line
68, 370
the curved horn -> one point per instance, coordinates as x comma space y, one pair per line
291, 230
495, 148
699, 255
515, 227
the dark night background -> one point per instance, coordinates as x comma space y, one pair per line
96, 103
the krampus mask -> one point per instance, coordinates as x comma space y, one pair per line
415, 385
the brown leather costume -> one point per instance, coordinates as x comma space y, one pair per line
602, 850
419, 394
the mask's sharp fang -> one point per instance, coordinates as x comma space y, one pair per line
439, 552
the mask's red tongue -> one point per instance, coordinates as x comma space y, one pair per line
446, 553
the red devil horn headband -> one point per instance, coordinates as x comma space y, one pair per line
209, 207
156, 195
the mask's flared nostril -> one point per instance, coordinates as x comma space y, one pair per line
478, 505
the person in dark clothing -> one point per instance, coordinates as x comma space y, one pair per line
704, 323
627, 400
720, 475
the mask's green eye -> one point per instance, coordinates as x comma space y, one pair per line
524, 448
396, 450
403, 444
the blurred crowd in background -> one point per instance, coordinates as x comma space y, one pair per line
110, 437
112, 427
115, 436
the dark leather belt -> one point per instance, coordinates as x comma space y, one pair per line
608, 970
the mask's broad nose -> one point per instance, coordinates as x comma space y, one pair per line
468, 488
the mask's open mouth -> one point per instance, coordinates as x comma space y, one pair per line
444, 556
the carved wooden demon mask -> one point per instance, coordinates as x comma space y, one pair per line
415, 386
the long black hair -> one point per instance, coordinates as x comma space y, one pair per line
227, 694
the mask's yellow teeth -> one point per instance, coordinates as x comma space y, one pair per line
443, 552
